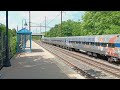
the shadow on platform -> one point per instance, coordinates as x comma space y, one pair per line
37, 50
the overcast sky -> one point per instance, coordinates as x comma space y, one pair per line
37, 17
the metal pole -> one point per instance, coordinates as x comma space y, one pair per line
45, 25
29, 21
36, 30
40, 30
22, 23
40, 27
61, 24
17, 28
7, 61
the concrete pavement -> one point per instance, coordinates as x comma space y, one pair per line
38, 64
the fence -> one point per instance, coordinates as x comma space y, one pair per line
12, 47
2, 48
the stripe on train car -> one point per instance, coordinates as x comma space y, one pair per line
117, 44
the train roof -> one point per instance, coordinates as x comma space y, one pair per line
109, 35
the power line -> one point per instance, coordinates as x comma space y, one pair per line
34, 23
49, 22
53, 19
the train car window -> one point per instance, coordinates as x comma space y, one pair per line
92, 43
104, 44
80, 42
96, 44
76, 42
87, 43
84, 43
101, 44
111, 45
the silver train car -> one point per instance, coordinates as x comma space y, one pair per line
107, 45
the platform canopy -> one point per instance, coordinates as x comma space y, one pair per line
24, 31
24, 38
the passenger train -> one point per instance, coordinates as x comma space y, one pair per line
106, 45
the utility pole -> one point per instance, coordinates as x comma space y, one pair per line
40, 30
40, 27
45, 25
17, 27
6, 62
29, 21
22, 23
61, 25
36, 30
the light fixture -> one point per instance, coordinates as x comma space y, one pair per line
25, 23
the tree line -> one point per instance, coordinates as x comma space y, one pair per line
11, 39
93, 23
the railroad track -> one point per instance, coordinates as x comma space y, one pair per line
102, 66
84, 73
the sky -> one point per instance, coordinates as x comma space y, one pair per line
52, 17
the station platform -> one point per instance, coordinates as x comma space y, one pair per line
38, 64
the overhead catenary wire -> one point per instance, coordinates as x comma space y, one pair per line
53, 19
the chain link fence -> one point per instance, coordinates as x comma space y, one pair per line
12, 47
2, 48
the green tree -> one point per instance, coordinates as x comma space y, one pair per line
93, 23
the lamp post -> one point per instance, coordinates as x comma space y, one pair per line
25, 23
61, 25
29, 20
6, 62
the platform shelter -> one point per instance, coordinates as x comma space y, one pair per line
24, 36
